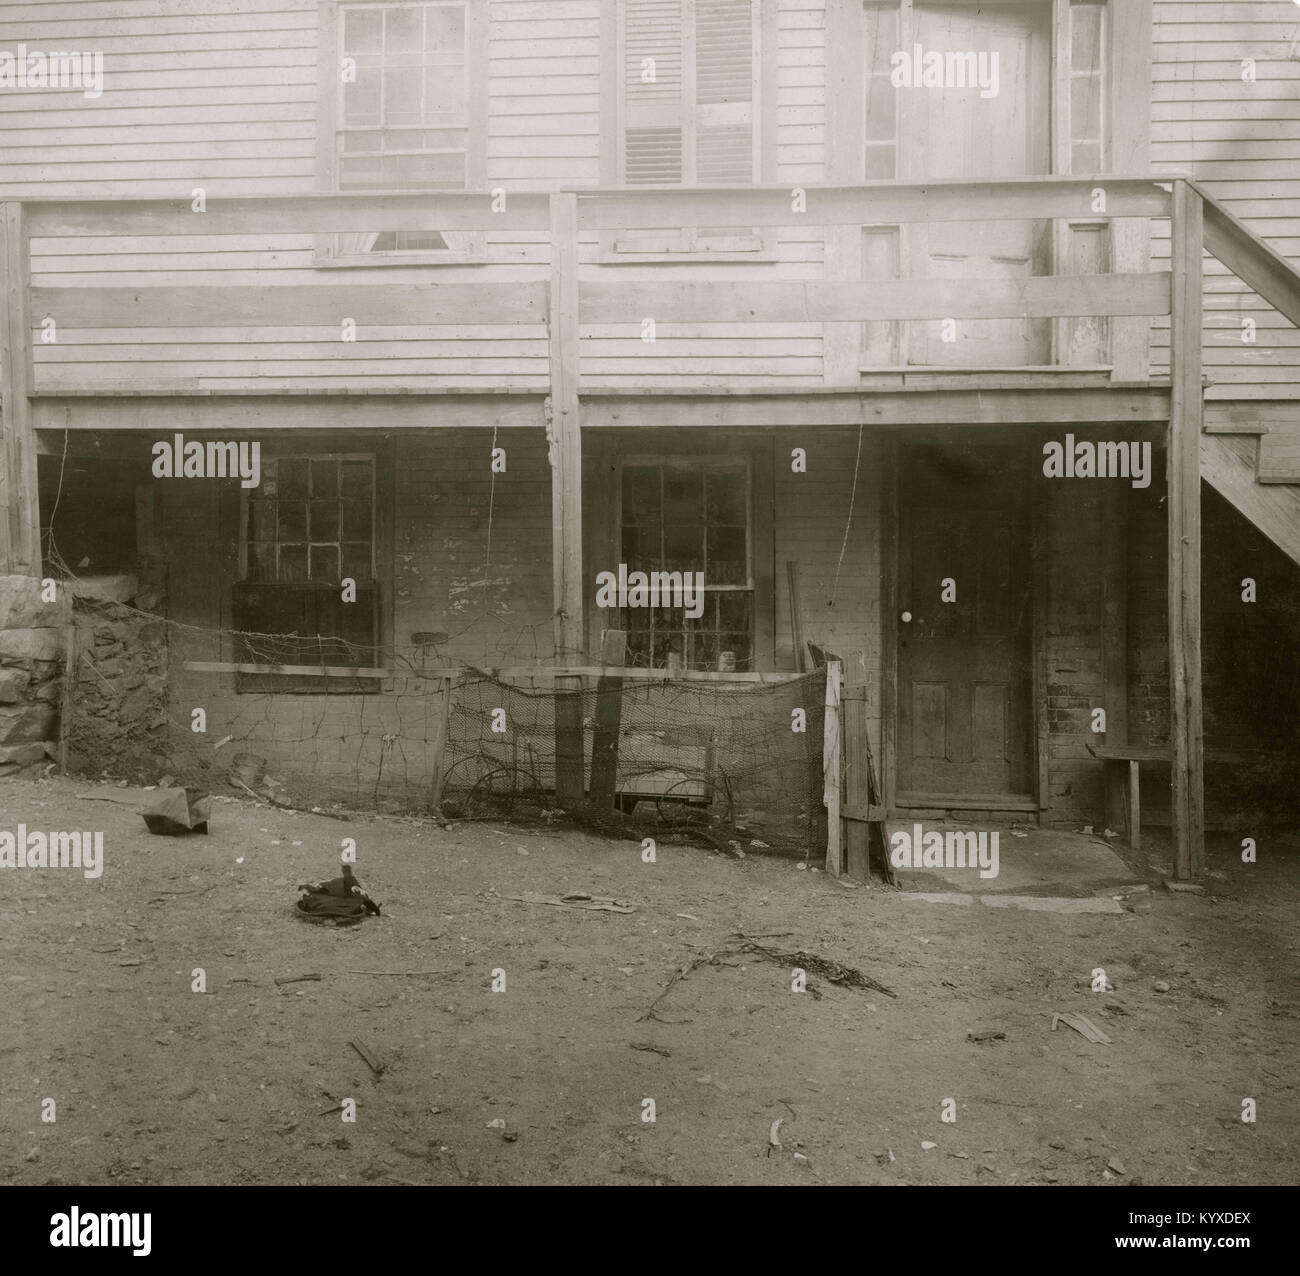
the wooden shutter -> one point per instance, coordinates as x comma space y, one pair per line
653, 108
724, 92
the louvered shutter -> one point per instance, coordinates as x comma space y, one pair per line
724, 92
653, 108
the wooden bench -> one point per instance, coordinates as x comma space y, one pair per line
1124, 792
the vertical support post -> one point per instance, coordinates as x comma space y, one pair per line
831, 768
565, 448
1184, 476
70, 668
609, 714
20, 531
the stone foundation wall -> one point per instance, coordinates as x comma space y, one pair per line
33, 638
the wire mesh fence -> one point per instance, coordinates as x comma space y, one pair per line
319, 724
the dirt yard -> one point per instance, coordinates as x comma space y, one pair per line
156, 1083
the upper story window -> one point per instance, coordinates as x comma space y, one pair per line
409, 109
688, 109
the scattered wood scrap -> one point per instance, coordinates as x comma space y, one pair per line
739, 944
832, 971
297, 979
576, 899
373, 1061
1082, 1025
651, 1048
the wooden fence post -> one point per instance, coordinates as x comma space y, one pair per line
609, 713
831, 768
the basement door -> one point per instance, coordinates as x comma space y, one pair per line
965, 687
957, 133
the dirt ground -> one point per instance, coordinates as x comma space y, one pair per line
156, 1083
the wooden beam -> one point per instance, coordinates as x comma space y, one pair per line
20, 532
291, 214
1114, 611
234, 414
1046, 409
856, 810
1249, 258
820, 300
831, 768
874, 202
293, 305
565, 446
1184, 470
609, 713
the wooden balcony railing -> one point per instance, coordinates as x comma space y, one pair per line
549, 299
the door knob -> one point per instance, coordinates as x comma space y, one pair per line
906, 617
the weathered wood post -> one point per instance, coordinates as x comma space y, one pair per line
1187, 816
831, 768
20, 532
565, 449
609, 715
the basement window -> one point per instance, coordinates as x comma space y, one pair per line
306, 529
687, 519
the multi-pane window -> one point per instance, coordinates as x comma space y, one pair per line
404, 122
309, 527
403, 118
690, 74
312, 519
688, 519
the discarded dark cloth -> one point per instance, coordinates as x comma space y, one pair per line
177, 812
340, 900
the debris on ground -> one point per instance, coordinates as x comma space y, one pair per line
774, 1135
987, 1034
833, 971
575, 899
373, 1061
1161, 985
340, 900
178, 812
1082, 1025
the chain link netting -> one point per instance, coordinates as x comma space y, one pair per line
361, 728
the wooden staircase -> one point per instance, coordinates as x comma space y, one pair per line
1250, 451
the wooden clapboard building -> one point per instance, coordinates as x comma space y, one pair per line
728, 297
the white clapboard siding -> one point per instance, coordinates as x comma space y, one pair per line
1242, 141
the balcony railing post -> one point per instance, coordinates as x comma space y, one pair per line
20, 534
565, 442
1184, 472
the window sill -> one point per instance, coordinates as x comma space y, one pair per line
615, 258
381, 261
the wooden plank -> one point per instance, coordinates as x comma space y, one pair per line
69, 695
20, 533
713, 408
609, 713
300, 671
1228, 465
295, 214
816, 301
565, 444
1114, 615
1040, 570
796, 617
297, 305
889, 557
871, 203
1129, 89
857, 810
1247, 256
1184, 558
1134, 811
831, 768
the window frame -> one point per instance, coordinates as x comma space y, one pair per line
1124, 23
698, 464
381, 458
329, 128
760, 247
